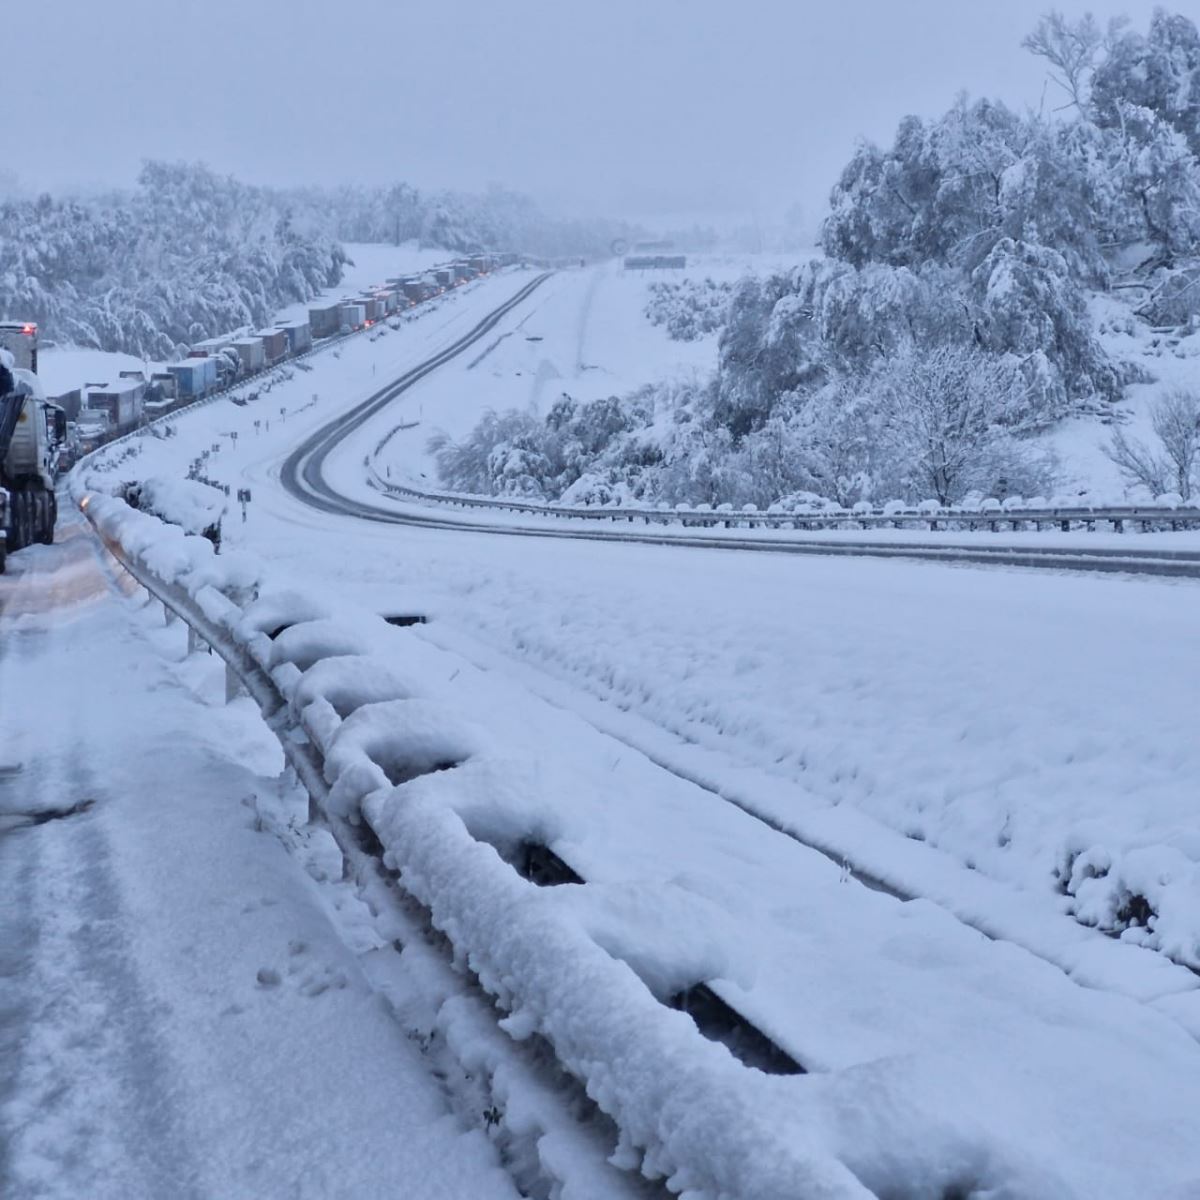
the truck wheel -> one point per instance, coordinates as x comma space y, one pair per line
44, 508
20, 520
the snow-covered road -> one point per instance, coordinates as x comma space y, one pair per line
180, 1014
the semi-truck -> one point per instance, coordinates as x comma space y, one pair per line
195, 378
33, 433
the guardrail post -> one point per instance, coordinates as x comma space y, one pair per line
195, 642
168, 615
233, 685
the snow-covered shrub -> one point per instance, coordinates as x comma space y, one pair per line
690, 309
1173, 463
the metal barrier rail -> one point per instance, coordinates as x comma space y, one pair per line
1014, 519
211, 616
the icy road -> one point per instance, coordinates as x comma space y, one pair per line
180, 1013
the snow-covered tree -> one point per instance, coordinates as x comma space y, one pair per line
1171, 465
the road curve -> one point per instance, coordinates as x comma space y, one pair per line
302, 471
302, 475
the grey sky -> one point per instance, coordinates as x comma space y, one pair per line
642, 108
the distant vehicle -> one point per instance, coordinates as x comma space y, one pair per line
325, 319
299, 336
353, 316
275, 345
252, 353
195, 378
121, 403
220, 362
20, 339
33, 433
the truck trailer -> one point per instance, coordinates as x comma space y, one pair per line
195, 378
352, 315
33, 433
20, 339
251, 353
275, 345
121, 403
325, 319
299, 336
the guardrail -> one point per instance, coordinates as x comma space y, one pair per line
1118, 518
375, 760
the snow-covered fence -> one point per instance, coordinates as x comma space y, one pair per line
375, 755
1165, 513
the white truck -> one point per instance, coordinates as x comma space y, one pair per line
32, 435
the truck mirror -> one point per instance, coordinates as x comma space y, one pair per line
60, 425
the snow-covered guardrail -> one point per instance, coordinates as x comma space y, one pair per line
1164, 513
376, 756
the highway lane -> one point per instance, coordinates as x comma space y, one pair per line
303, 476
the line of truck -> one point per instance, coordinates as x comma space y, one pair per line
99, 412
40, 437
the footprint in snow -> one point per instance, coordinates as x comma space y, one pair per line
309, 978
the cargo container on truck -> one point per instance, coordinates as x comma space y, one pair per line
210, 346
387, 297
353, 315
372, 310
275, 345
299, 336
70, 402
325, 319
166, 383
251, 352
120, 402
20, 339
195, 378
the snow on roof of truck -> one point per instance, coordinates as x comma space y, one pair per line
120, 387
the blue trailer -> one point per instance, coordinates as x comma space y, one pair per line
195, 378
299, 336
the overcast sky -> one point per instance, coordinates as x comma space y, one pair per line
647, 109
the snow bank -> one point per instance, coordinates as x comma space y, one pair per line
193, 506
1150, 894
167, 551
688, 1111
